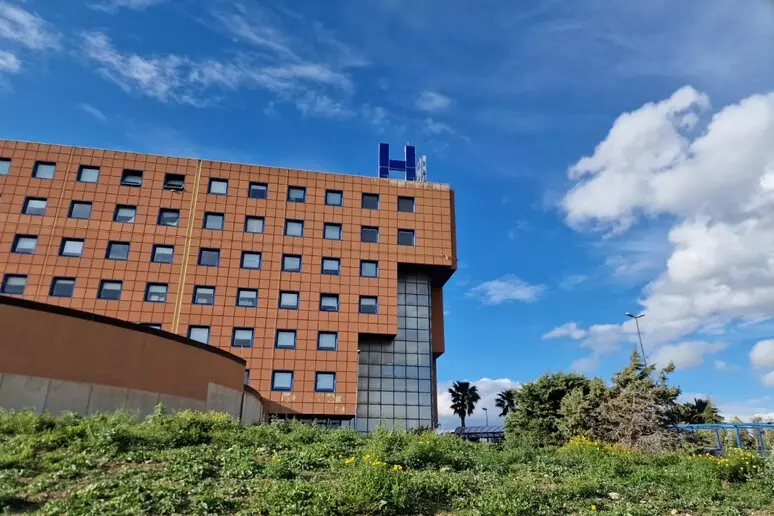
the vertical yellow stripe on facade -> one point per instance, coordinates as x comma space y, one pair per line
187, 249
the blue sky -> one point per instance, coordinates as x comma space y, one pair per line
607, 158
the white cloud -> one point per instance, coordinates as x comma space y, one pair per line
723, 366
91, 110
685, 354
114, 5
768, 379
713, 178
762, 354
586, 364
432, 101
436, 128
488, 389
26, 28
747, 409
572, 281
569, 329
9, 63
506, 288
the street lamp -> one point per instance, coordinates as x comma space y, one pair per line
639, 336
486, 413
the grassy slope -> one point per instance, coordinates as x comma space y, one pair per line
205, 464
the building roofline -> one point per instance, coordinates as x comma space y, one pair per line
80, 314
401, 181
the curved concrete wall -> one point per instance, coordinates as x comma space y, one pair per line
55, 359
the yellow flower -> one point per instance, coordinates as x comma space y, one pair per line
593, 507
397, 467
349, 460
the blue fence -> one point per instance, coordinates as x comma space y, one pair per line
755, 428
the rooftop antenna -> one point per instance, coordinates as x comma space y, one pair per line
422, 169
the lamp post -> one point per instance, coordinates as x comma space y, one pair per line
639, 336
486, 413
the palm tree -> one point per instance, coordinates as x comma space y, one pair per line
464, 398
506, 401
701, 411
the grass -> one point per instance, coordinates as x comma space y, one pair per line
206, 464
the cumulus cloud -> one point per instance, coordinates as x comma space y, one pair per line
488, 389
686, 354
432, 101
569, 330
762, 354
506, 288
712, 175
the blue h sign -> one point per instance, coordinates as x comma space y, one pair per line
407, 165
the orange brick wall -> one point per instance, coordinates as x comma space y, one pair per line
435, 245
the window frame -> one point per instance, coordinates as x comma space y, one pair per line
209, 214
131, 172
63, 245
240, 290
335, 192
217, 180
171, 180
338, 225
5, 166
360, 305
43, 163
329, 295
301, 189
413, 237
274, 380
7, 277
18, 238
149, 286
56, 279
26, 205
120, 207
202, 250
75, 203
322, 266
156, 247
375, 263
300, 262
317, 375
413, 203
289, 307
103, 283
369, 195
239, 329
285, 331
163, 211
363, 229
258, 184
199, 327
196, 292
255, 218
335, 335
251, 253
296, 221
112, 243
82, 168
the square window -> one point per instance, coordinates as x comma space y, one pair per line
296, 194
253, 224
327, 340
369, 305
406, 204
334, 197
406, 237
329, 302
209, 257
294, 228
288, 300
258, 191
247, 297
369, 234
370, 201
125, 213
109, 289
14, 284
199, 334
131, 177
174, 181
168, 217
331, 266
204, 296
5, 166
44, 170
71, 247
62, 287
242, 338
118, 251
325, 382
251, 260
213, 221
282, 381
80, 210
155, 326
332, 231
34, 206
162, 253
369, 269
218, 186
24, 244
88, 174
291, 263
156, 293
286, 339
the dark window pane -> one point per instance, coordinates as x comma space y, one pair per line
163, 254
118, 251
253, 224
251, 260
125, 213
334, 197
282, 381
72, 247
325, 382
369, 234
286, 339
88, 174
213, 221
242, 338
62, 287
370, 201
291, 263
296, 194
327, 340
13, 284
199, 334
174, 181
218, 186
294, 228
110, 290
204, 295
288, 300
5, 166
332, 231
131, 177
24, 244
369, 269
209, 257
329, 302
331, 266
258, 191
156, 293
34, 206
44, 170
406, 204
368, 305
405, 237
80, 210
169, 217
247, 297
